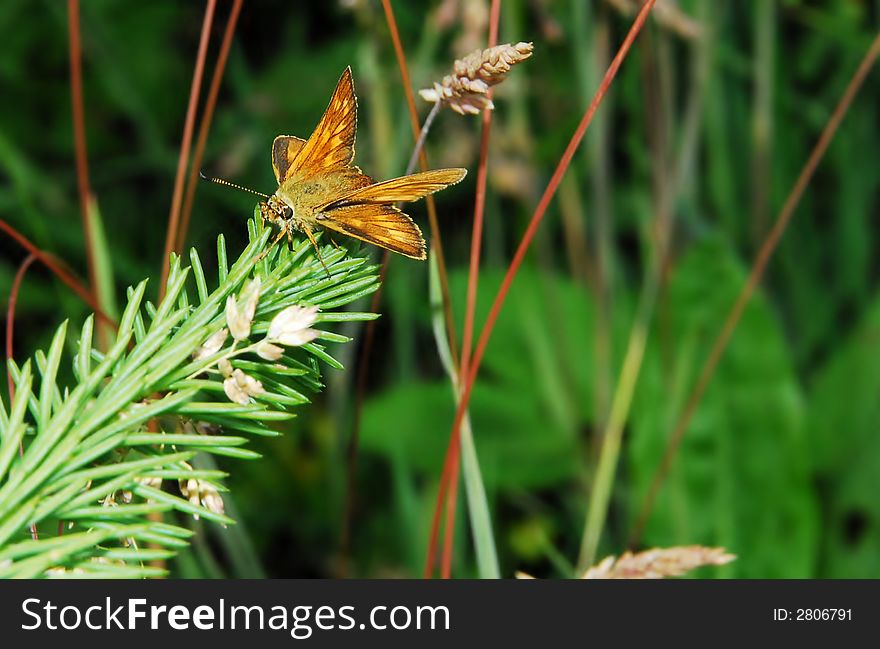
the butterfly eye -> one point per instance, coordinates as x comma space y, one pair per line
287, 212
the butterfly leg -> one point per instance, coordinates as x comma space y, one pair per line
273, 243
311, 237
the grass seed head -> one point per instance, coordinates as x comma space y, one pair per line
466, 90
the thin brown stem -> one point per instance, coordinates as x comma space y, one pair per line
761, 260
525, 243
660, 234
10, 328
10, 316
87, 205
471, 300
177, 197
64, 275
436, 239
205, 125
79, 139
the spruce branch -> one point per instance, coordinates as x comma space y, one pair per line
200, 372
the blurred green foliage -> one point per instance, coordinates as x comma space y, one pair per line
781, 462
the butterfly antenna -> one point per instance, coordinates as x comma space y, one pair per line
220, 181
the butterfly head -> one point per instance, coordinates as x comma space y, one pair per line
277, 209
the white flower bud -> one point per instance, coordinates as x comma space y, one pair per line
225, 367
212, 345
240, 317
235, 393
291, 326
239, 387
202, 492
213, 501
268, 351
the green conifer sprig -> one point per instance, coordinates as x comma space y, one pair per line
102, 456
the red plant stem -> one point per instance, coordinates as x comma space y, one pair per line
435, 519
454, 438
205, 125
479, 209
10, 327
10, 316
473, 279
763, 257
177, 197
436, 239
437, 245
79, 139
47, 260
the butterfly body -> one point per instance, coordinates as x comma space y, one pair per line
319, 186
307, 198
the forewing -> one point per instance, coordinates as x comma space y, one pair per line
284, 150
403, 189
331, 145
382, 225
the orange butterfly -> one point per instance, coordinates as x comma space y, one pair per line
319, 186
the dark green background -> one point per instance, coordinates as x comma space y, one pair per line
781, 462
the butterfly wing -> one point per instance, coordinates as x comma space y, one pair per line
284, 150
367, 213
401, 190
364, 210
331, 145
382, 225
